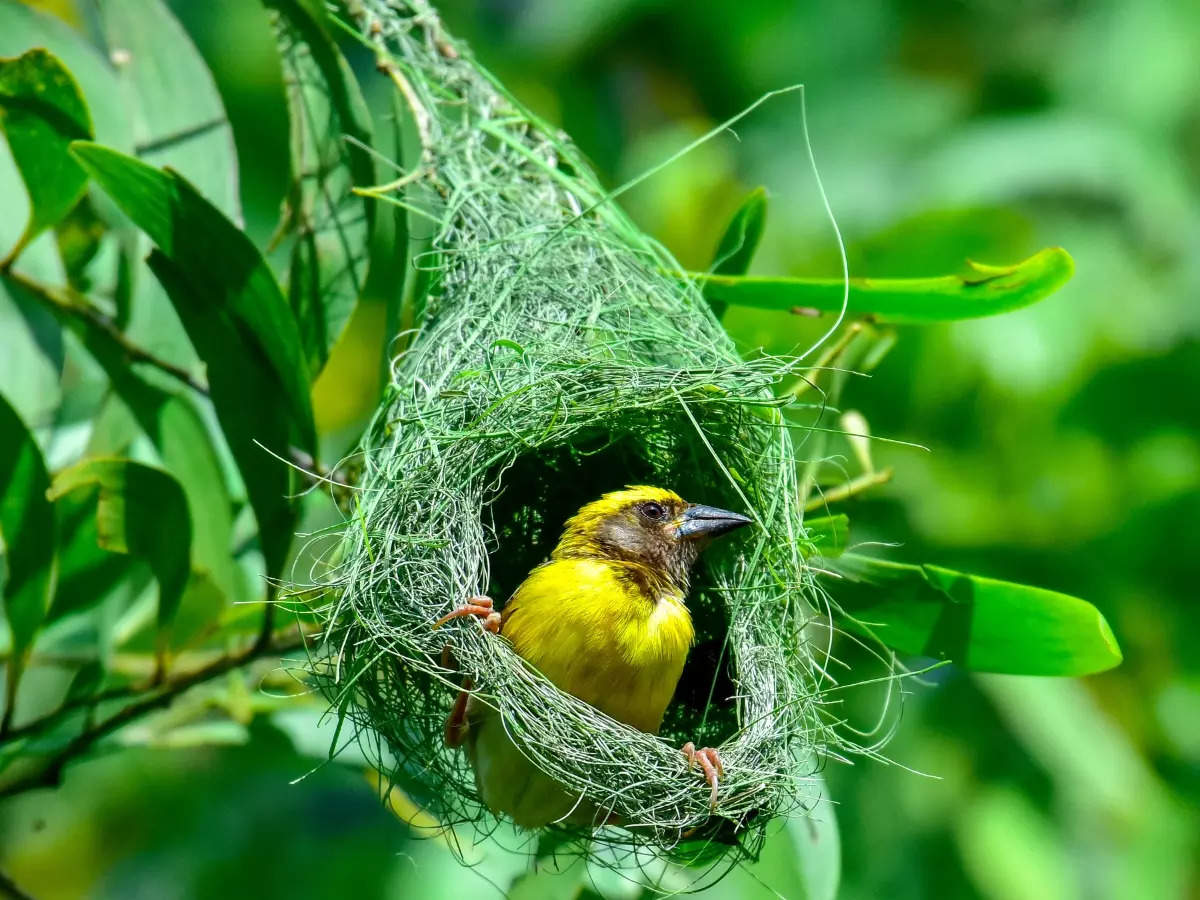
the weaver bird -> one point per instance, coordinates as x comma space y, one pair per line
604, 619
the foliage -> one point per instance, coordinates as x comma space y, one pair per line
192, 372
43, 113
982, 291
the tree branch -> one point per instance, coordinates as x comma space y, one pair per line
158, 696
73, 305
849, 489
68, 303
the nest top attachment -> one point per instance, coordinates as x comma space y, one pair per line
556, 358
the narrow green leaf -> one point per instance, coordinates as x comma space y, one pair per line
330, 128
245, 393
85, 682
141, 511
828, 534
27, 529
33, 356
983, 291
199, 611
79, 235
980, 623
223, 271
737, 245
41, 113
175, 427
179, 119
801, 860
741, 238
817, 848
387, 266
87, 574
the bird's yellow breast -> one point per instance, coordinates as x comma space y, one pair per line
606, 631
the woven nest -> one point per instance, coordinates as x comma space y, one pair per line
555, 359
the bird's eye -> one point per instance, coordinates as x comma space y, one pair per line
652, 510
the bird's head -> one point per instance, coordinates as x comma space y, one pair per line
647, 525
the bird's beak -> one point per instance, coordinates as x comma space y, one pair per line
708, 521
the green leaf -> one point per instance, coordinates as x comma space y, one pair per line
34, 355
27, 528
22, 27
87, 574
199, 611
387, 266
245, 392
79, 235
828, 534
141, 511
737, 245
983, 291
326, 110
179, 433
173, 424
85, 682
235, 289
980, 623
800, 860
178, 118
817, 848
42, 112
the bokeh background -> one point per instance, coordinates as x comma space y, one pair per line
1064, 438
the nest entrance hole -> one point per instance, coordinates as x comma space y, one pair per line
542, 488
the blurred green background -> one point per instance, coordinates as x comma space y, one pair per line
1065, 437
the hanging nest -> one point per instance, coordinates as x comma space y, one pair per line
557, 358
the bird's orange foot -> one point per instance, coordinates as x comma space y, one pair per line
710, 763
480, 607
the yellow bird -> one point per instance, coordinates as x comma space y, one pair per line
604, 619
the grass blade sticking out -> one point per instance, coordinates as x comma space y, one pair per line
27, 529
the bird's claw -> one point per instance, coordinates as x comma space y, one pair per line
479, 606
710, 763
458, 724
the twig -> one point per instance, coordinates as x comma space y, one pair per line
848, 489
76, 306
160, 696
390, 187
826, 359
93, 701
